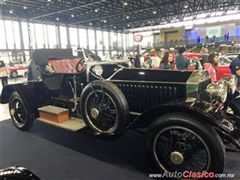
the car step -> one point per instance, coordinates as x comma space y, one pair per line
72, 124
59, 117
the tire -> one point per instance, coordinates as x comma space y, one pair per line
20, 116
185, 139
104, 108
14, 74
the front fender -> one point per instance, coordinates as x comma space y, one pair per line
201, 109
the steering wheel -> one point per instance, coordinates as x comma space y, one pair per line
80, 67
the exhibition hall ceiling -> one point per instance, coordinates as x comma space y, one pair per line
112, 14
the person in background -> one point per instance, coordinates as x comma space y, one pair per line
207, 39
147, 62
136, 62
155, 60
182, 62
235, 70
211, 66
142, 59
228, 36
204, 54
131, 60
204, 50
3, 73
167, 61
198, 39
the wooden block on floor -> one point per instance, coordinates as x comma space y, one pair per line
72, 124
53, 113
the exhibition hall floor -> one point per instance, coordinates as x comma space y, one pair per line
52, 154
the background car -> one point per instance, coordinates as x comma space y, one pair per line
223, 69
18, 70
231, 56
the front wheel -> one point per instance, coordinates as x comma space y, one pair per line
179, 142
20, 116
104, 108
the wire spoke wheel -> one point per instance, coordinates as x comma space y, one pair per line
179, 148
101, 109
18, 112
21, 117
182, 142
104, 108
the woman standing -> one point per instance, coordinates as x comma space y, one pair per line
155, 59
167, 61
211, 66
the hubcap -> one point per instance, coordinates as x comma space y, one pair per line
12, 111
94, 113
101, 111
176, 158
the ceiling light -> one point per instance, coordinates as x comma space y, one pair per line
24, 7
127, 17
105, 21
72, 15
90, 24
49, 0
125, 3
57, 19
128, 25
114, 27
96, 10
11, 11
154, 12
186, 6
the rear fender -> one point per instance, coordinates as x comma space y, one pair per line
33, 95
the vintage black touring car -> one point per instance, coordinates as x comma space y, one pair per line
184, 116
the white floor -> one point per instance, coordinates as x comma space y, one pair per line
4, 112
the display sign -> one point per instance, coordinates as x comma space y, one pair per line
213, 31
138, 37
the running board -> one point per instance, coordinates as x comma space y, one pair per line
72, 124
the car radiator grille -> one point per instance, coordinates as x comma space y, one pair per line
142, 96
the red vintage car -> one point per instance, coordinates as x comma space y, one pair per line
223, 69
193, 55
18, 70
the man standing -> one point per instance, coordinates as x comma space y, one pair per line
235, 69
182, 62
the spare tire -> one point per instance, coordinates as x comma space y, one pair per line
104, 108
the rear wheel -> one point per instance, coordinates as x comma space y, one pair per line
19, 114
179, 142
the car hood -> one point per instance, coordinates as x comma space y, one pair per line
154, 75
